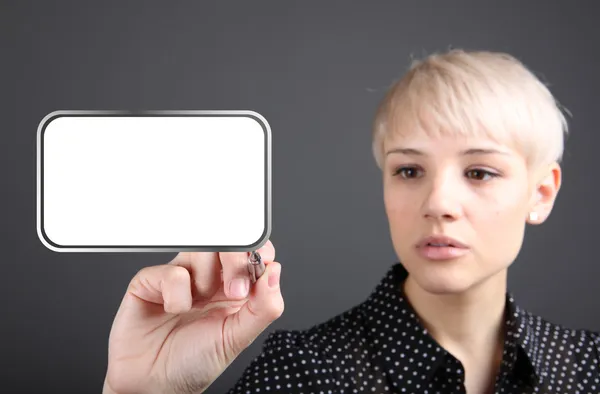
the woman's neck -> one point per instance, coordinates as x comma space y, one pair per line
469, 325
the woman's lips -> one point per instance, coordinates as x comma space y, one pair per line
441, 252
441, 247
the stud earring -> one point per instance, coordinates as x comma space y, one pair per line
533, 216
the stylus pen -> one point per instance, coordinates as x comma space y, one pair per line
256, 267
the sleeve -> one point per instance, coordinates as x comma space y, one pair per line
290, 362
595, 347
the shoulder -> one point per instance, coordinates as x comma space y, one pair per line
319, 345
577, 344
293, 360
594, 338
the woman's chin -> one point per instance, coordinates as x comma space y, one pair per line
438, 288
443, 283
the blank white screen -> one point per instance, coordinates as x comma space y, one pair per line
153, 180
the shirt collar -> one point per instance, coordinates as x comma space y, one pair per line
403, 362
522, 327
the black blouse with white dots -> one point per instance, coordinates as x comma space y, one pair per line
380, 346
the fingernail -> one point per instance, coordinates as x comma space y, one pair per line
239, 287
274, 278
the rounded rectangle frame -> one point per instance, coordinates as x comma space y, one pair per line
267, 219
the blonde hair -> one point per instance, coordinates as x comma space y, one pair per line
468, 94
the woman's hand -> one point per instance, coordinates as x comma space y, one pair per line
180, 325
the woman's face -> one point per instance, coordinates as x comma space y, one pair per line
473, 190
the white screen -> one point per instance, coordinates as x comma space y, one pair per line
153, 181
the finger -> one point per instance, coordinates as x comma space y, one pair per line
264, 306
267, 251
236, 278
166, 285
205, 272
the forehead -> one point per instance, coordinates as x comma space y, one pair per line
447, 142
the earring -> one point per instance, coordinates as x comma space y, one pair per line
533, 216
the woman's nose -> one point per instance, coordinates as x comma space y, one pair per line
442, 199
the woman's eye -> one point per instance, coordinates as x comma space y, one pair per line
407, 172
414, 172
480, 175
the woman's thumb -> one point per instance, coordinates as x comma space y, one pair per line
264, 306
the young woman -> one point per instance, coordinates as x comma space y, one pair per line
469, 145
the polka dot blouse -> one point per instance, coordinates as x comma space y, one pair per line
380, 346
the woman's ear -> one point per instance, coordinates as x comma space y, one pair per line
544, 194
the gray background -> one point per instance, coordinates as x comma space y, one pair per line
316, 72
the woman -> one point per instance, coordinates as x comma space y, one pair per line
469, 145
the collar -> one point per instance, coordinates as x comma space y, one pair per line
403, 362
521, 326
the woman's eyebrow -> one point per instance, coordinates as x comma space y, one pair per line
471, 151
406, 151
485, 151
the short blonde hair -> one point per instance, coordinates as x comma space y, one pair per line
476, 93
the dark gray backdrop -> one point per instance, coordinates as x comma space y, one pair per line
316, 72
